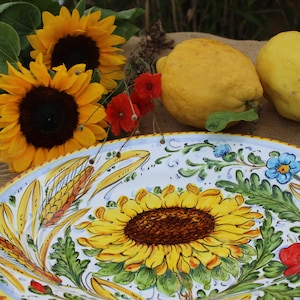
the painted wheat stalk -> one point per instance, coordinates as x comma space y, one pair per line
22, 263
58, 204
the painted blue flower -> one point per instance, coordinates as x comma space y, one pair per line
282, 167
221, 150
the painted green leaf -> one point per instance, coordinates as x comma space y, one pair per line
145, 278
23, 17
201, 275
230, 265
186, 281
219, 273
124, 277
230, 157
9, 46
187, 172
168, 284
274, 269
255, 159
109, 269
67, 262
217, 121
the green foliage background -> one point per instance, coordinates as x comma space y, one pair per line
236, 19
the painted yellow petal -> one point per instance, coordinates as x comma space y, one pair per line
220, 251
116, 217
183, 265
231, 220
235, 251
233, 228
139, 257
112, 257
224, 208
189, 199
156, 257
148, 201
198, 246
172, 259
162, 269
120, 249
210, 198
185, 249
206, 258
129, 207
102, 228
224, 236
210, 240
171, 198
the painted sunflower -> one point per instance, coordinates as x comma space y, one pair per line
171, 231
44, 116
70, 39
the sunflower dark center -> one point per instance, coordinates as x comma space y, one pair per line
72, 50
48, 117
170, 226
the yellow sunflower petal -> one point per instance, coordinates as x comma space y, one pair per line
25, 161
85, 137
92, 93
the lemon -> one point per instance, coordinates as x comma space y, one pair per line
278, 66
201, 76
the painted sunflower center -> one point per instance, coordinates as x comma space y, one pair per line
48, 117
72, 50
170, 226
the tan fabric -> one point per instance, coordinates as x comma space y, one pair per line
270, 125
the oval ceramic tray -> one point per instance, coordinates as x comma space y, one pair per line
193, 216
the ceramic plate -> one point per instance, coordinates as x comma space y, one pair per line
193, 216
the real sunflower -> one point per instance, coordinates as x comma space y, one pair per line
70, 39
40, 114
172, 231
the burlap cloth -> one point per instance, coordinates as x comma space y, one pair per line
270, 124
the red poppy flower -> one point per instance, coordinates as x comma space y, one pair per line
144, 105
290, 257
122, 114
148, 85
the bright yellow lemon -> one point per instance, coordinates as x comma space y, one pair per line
278, 66
201, 76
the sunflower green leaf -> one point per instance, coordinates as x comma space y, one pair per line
9, 46
23, 17
217, 121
